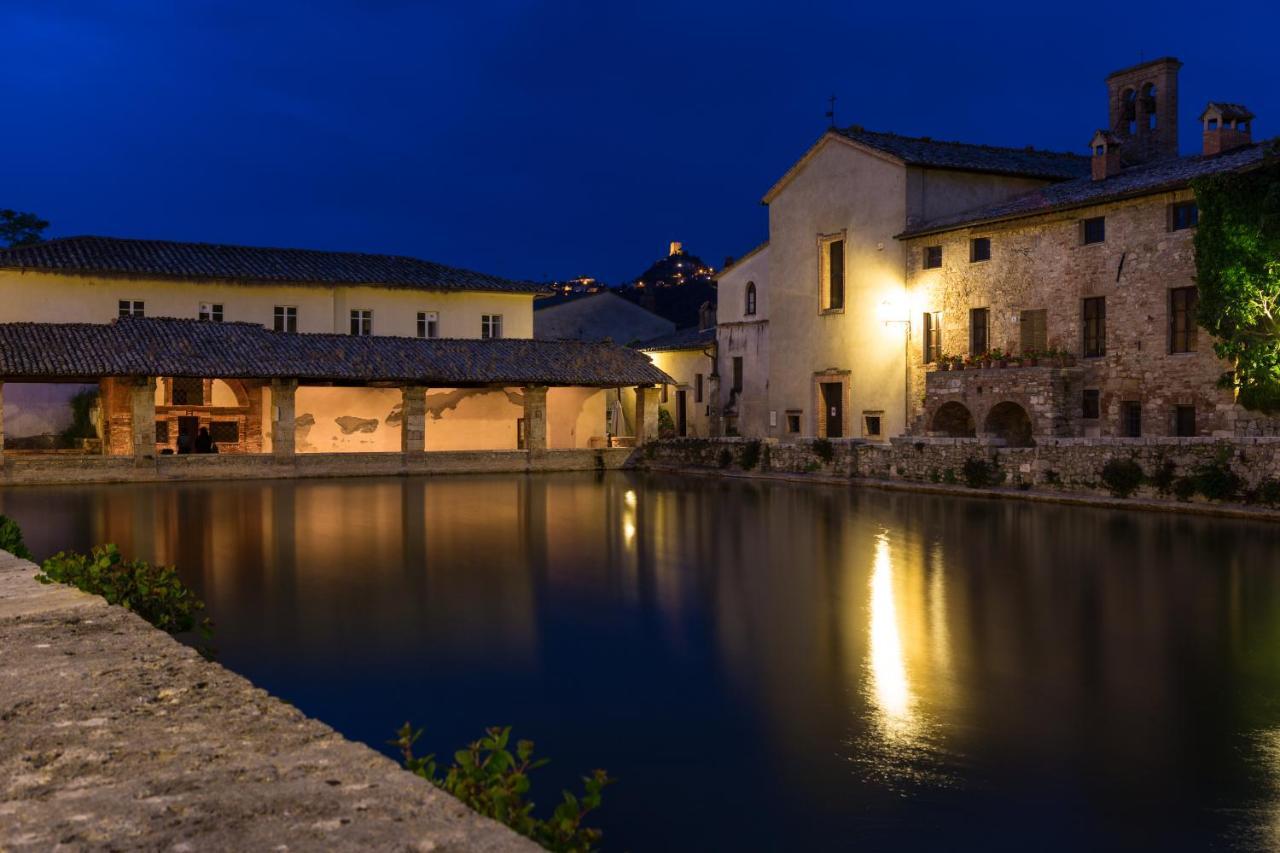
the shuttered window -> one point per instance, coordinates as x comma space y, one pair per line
1034, 331
1094, 315
834, 284
979, 330
932, 336
1182, 319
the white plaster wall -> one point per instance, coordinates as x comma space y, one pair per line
746, 336
841, 188
50, 298
574, 417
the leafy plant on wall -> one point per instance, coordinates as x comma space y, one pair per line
1238, 277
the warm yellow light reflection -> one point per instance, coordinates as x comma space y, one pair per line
630, 497
629, 531
889, 687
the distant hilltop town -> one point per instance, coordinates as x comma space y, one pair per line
675, 287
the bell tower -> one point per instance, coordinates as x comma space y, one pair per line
1143, 104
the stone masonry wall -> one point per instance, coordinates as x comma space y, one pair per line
1042, 263
1067, 465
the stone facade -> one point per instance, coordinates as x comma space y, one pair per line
1042, 264
742, 337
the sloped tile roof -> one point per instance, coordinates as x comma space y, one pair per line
168, 259
169, 347
690, 338
1161, 176
923, 151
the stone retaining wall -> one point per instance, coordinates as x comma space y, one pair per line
1067, 465
36, 469
115, 736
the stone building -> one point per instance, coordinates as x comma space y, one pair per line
1099, 271
742, 344
833, 276
688, 356
596, 317
283, 351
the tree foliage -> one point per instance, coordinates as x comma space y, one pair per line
1238, 275
20, 229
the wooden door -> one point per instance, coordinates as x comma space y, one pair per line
833, 408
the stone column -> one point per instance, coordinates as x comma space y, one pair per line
413, 419
283, 417
535, 418
646, 414
714, 425
142, 417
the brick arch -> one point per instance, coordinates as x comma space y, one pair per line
1010, 420
953, 418
237, 388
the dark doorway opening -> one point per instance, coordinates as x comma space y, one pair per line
188, 429
833, 408
682, 413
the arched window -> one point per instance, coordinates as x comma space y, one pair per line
1129, 111
1149, 105
751, 298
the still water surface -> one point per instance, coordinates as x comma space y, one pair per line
762, 666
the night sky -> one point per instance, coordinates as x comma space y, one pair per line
541, 140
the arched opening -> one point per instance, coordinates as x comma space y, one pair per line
1129, 111
954, 420
751, 298
1010, 422
1149, 105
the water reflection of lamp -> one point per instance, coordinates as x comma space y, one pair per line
890, 690
629, 517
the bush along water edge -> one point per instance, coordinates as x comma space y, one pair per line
494, 781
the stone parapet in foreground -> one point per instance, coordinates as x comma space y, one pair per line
116, 736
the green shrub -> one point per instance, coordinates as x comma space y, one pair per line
980, 473
824, 450
725, 459
765, 459
1052, 477
1122, 477
1216, 481
949, 476
1184, 488
750, 456
1268, 492
493, 781
666, 426
1164, 476
11, 538
155, 593
934, 476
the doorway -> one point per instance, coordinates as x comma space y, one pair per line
682, 413
188, 429
833, 408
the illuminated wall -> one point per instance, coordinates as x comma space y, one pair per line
52, 298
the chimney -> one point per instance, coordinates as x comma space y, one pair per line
1226, 127
1106, 155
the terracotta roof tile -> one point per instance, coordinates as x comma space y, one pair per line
168, 259
170, 347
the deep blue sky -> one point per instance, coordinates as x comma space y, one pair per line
539, 140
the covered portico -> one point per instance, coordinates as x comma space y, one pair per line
513, 404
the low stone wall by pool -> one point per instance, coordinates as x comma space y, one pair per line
116, 736
1058, 466
38, 469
